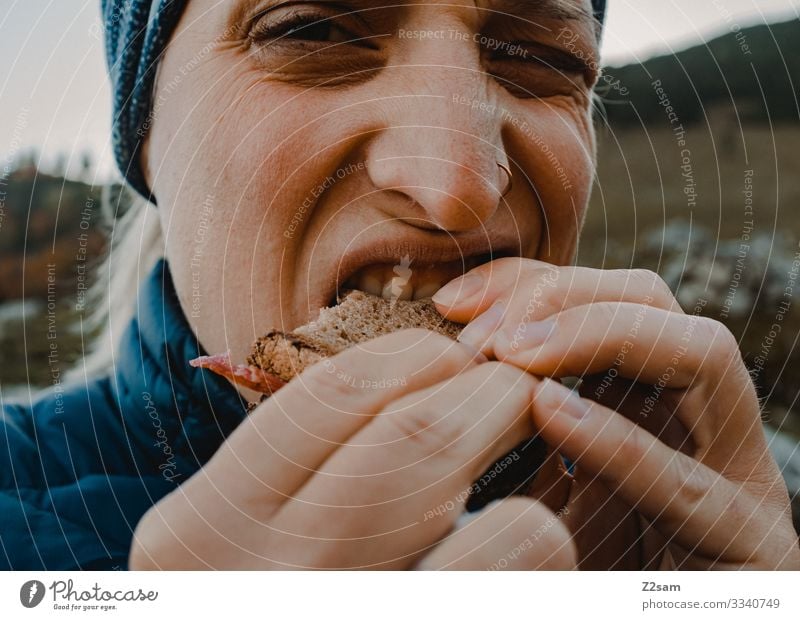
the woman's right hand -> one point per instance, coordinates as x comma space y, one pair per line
364, 461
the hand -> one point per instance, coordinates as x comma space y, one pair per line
364, 461
668, 441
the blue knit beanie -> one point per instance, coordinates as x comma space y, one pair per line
137, 31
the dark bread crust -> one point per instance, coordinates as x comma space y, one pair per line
359, 317
286, 355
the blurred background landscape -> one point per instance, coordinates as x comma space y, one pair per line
725, 229
708, 197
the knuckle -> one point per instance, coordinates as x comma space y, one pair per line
334, 378
442, 419
532, 279
428, 428
427, 425
653, 281
548, 278
726, 360
632, 452
513, 388
720, 341
601, 314
656, 287
520, 265
693, 488
741, 510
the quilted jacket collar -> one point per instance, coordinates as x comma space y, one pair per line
196, 409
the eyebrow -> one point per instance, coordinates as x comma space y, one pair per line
575, 10
553, 9
558, 9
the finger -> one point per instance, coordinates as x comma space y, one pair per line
530, 290
645, 344
686, 501
627, 397
513, 534
402, 481
553, 483
282, 443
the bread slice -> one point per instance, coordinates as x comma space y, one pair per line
359, 317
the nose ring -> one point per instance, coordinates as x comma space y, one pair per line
510, 176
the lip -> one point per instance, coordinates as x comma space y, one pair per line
427, 249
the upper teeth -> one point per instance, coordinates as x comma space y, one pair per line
404, 282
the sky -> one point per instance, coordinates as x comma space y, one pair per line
54, 93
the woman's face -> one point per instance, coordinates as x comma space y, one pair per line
300, 147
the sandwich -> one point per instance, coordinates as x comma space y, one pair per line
278, 357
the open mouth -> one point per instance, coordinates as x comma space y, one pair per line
408, 278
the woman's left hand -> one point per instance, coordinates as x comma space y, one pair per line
667, 439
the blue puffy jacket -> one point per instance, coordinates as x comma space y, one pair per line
80, 467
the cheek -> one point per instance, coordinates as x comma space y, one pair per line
220, 143
263, 145
556, 148
275, 149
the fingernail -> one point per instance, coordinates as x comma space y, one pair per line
563, 400
478, 332
525, 336
459, 290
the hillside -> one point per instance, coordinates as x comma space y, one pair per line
754, 73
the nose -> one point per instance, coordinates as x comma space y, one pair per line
441, 147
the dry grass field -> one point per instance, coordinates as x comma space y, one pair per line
724, 230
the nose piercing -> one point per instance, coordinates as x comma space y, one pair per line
510, 176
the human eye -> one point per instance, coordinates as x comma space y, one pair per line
530, 69
308, 25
